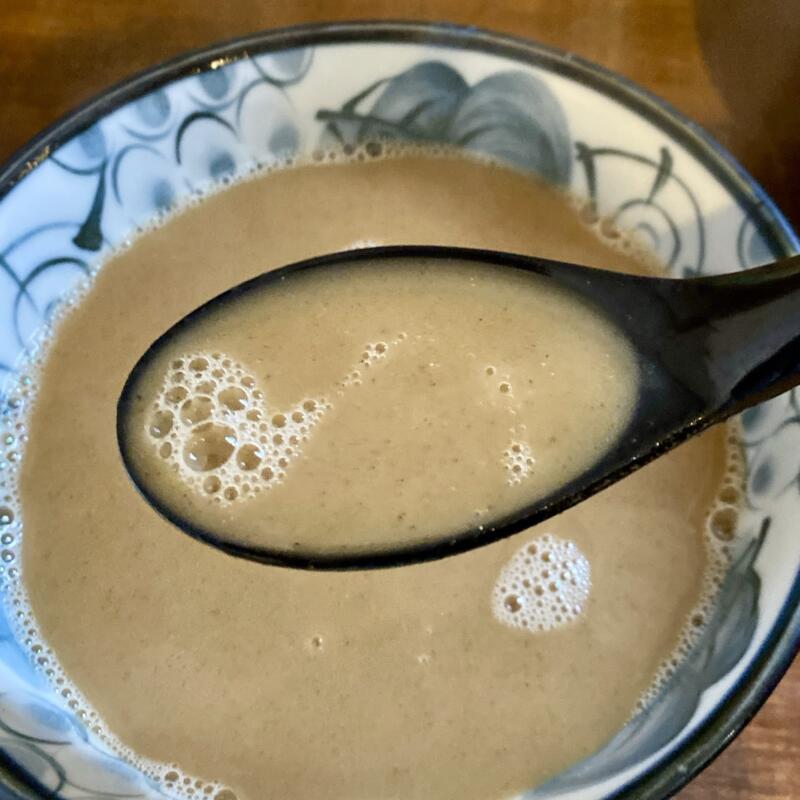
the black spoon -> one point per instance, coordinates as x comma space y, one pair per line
708, 348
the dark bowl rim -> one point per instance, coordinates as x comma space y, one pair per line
672, 771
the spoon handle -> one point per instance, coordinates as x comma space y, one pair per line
751, 333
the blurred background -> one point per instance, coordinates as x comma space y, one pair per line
732, 66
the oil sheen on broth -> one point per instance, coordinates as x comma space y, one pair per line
378, 405
474, 677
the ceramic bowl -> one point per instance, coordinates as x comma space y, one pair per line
86, 185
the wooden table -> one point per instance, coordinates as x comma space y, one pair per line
732, 66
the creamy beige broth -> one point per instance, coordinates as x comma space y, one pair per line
405, 683
378, 405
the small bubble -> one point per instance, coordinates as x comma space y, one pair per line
249, 457
267, 474
233, 398
723, 523
277, 439
512, 603
248, 381
309, 405
254, 415
196, 409
198, 364
505, 388
176, 395
730, 494
209, 447
609, 229
205, 387
212, 484
161, 424
7, 556
298, 416
490, 370
6, 516
165, 451
230, 493
279, 420
177, 363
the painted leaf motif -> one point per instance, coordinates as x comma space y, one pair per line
514, 117
422, 100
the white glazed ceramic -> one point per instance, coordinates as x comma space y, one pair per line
86, 185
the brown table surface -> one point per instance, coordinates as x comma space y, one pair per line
732, 66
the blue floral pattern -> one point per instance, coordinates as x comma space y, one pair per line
509, 115
142, 158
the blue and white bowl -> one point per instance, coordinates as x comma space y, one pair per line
86, 185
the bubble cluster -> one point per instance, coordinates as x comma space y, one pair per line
518, 461
544, 586
372, 354
631, 244
722, 538
500, 383
211, 423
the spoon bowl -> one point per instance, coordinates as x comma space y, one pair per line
707, 348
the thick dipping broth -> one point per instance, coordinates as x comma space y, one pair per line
382, 402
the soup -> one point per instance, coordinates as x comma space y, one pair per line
225, 677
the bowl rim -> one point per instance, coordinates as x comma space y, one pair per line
673, 770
